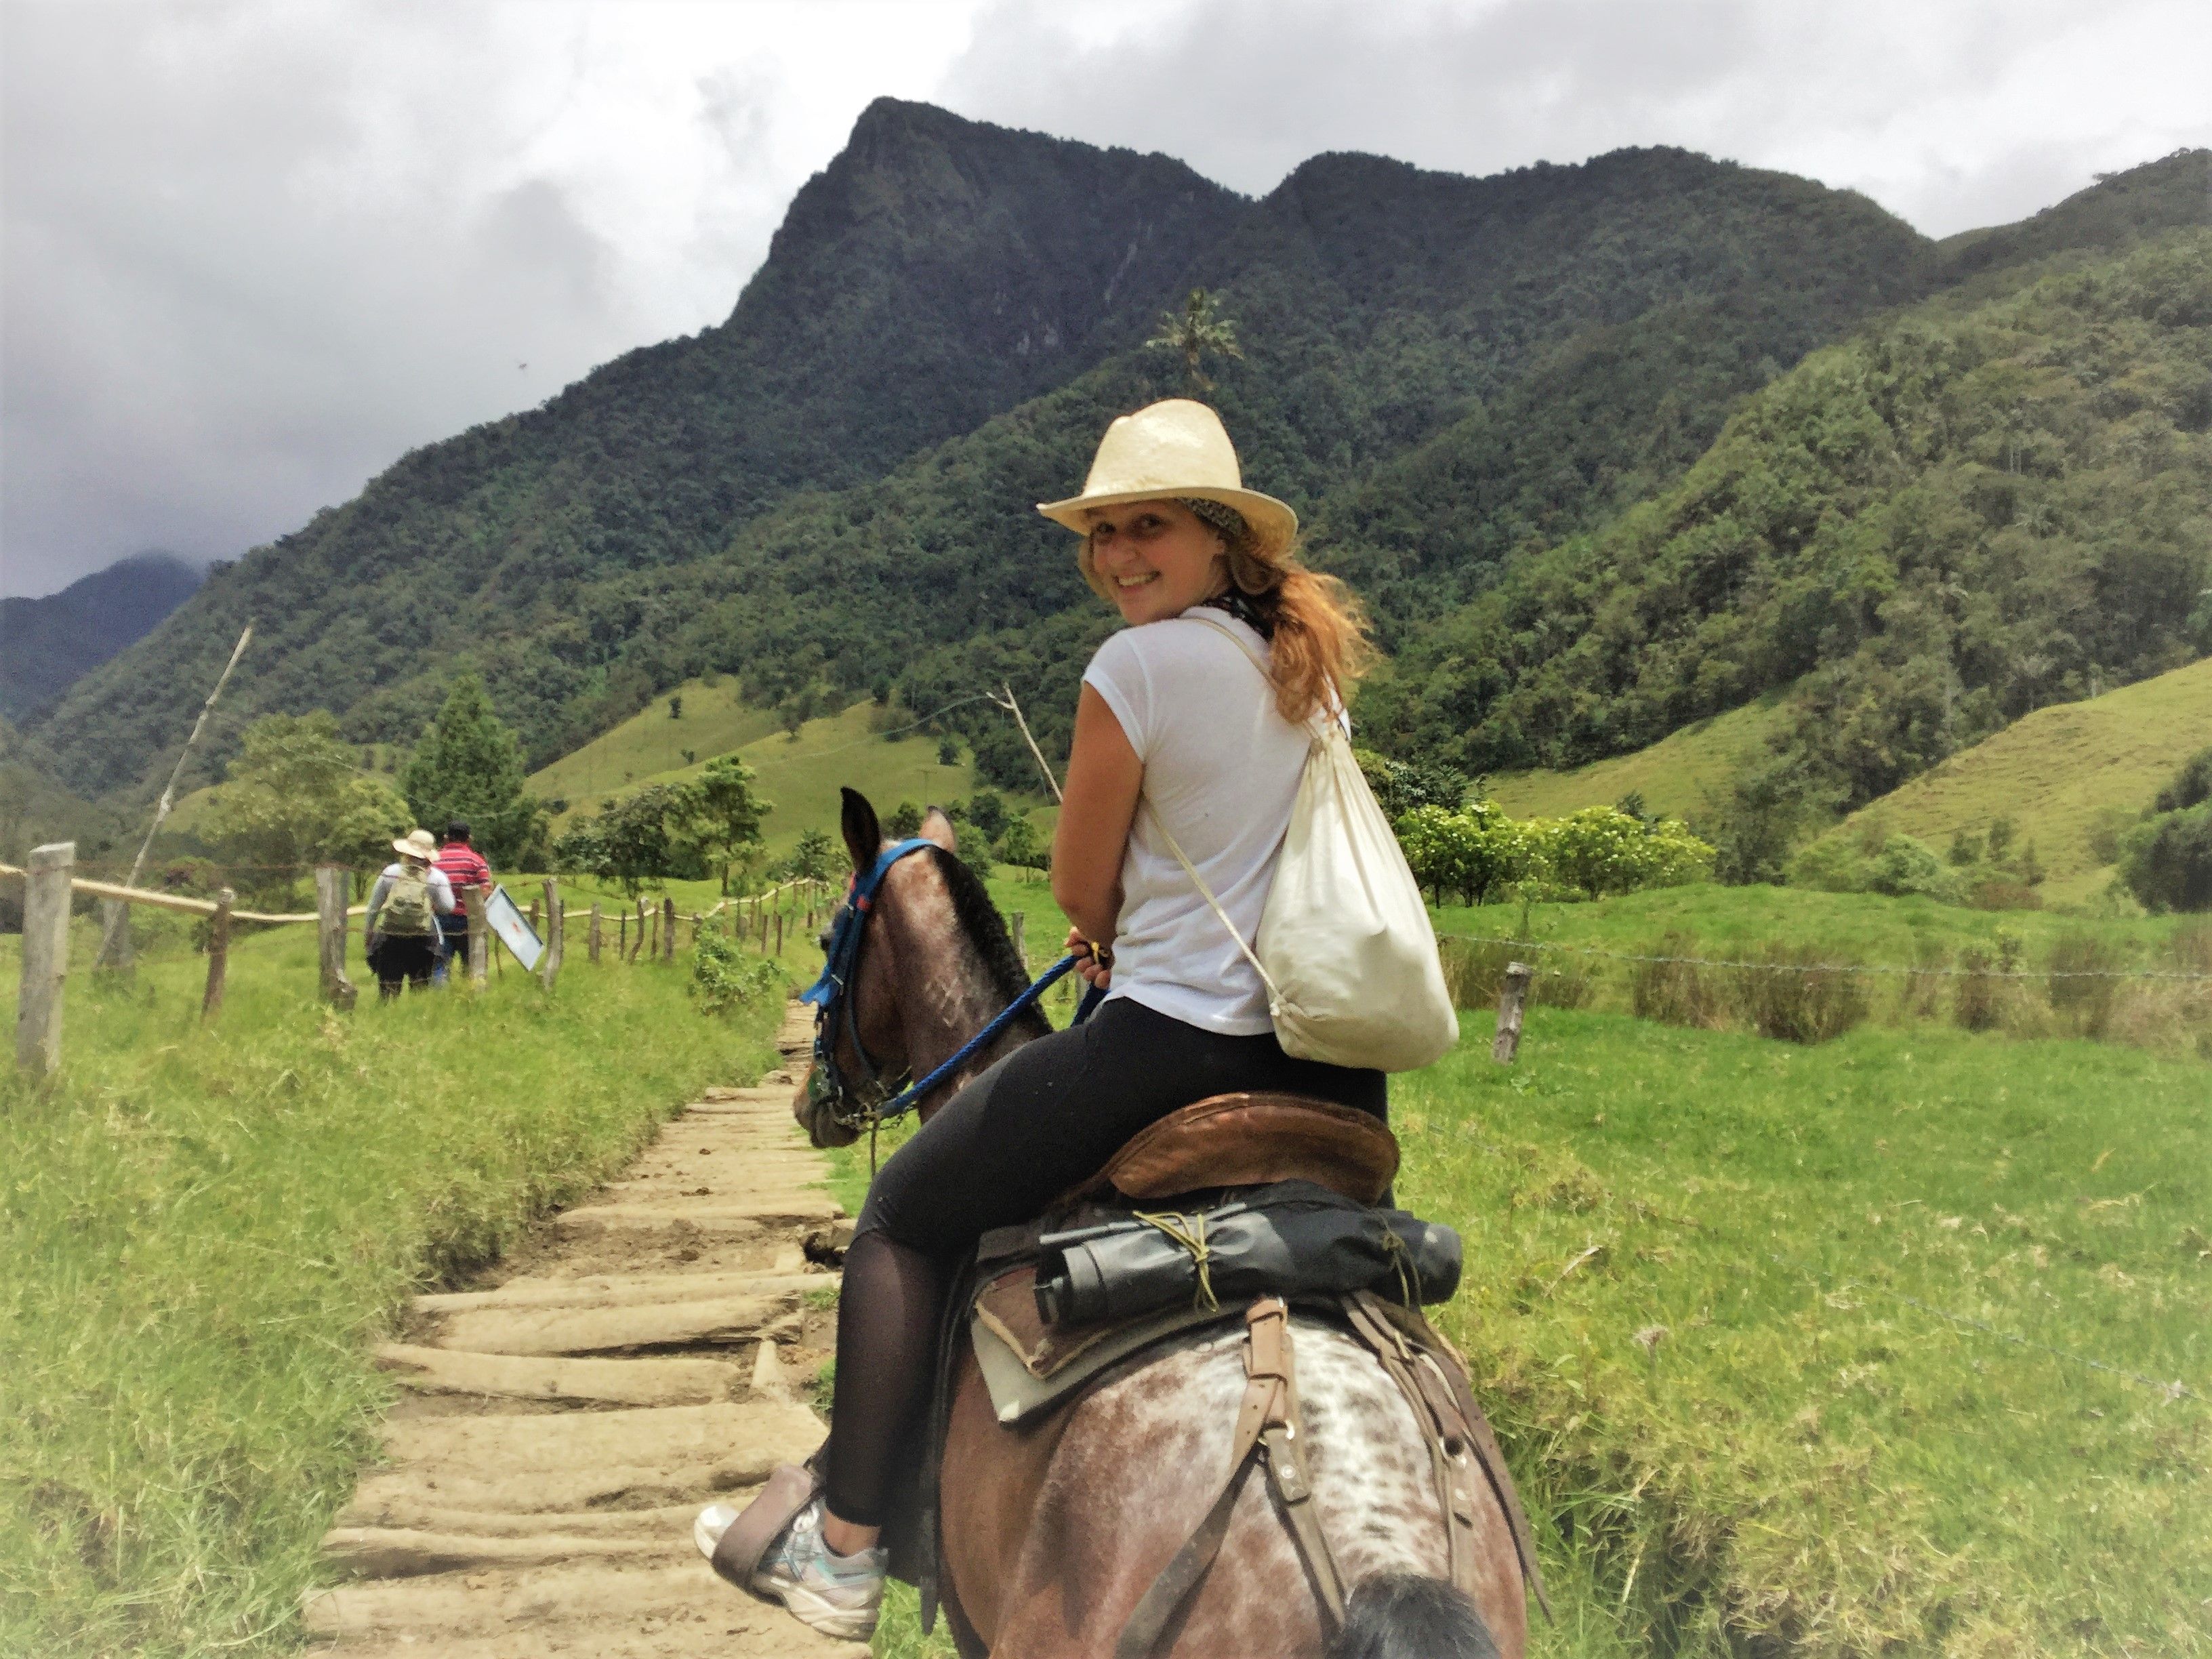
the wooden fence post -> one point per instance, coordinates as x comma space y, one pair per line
1510, 1002
622, 937
479, 936
218, 954
549, 966
534, 923
668, 930
592, 937
333, 882
653, 938
637, 945
1021, 945
45, 957
114, 936
779, 932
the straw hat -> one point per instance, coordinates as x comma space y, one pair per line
417, 844
1175, 447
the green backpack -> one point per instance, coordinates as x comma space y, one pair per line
408, 911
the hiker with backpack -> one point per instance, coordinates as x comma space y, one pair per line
403, 909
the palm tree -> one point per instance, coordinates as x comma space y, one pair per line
1197, 329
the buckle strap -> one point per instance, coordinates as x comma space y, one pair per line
1266, 1422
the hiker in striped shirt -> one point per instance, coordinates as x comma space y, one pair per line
463, 866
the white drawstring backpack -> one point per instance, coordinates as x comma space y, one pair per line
1345, 947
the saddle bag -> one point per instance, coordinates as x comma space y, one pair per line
1292, 1239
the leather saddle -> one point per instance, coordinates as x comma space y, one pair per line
1252, 1140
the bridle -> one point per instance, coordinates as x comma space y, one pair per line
867, 1104
851, 1104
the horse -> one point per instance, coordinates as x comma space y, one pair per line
1051, 1530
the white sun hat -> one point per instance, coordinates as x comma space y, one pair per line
1174, 447
417, 844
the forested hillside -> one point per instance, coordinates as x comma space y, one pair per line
936, 271
829, 495
1969, 512
47, 644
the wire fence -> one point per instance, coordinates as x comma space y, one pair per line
1931, 970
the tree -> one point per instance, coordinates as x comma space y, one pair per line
816, 855
1194, 333
905, 819
294, 797
2167, 862
641, 836
675, 707
469, 765
726, 814
987, 810
1020, 843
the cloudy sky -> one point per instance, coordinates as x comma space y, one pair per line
254, 249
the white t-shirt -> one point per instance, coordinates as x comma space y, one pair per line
1221, 769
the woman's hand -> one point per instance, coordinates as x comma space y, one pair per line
1094, 963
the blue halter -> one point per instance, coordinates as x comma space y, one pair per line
831, 1000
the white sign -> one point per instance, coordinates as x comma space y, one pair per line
513, 928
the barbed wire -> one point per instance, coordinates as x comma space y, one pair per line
1931, 971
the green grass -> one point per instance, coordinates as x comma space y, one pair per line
206, 1229
1806, 1457
1869, 927
716, 720
2056, 773
801, 775
1674, 776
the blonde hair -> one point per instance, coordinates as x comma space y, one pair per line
1317, 627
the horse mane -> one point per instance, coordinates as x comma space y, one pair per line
986, 930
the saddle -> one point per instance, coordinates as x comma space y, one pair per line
1030, 1365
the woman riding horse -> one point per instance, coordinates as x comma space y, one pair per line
1172, 719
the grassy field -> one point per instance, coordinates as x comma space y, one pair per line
205, 1230
1674, 776
2062, 774
1758, 1324
801, 775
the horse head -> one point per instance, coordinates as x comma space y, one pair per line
926, 961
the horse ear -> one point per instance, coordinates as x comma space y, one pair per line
864, 835
936, 827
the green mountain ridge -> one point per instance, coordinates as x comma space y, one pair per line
1447, 375
1970, 510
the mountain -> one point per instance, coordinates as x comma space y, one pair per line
1975, 507
2112, 215
936, 271
941, 579
47, 644
829, 493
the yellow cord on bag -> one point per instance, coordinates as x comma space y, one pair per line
1189, 1231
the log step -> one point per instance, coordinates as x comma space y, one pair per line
578, 1381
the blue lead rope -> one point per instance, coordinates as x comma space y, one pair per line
905, 1099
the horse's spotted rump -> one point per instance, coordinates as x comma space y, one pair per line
1145, 1452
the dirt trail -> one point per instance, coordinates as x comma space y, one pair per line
648, 1352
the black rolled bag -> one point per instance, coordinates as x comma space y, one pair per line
1291, 1239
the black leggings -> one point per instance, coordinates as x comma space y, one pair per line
1042, 1119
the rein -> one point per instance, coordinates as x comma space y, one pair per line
863, 1106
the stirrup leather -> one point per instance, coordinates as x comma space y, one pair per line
1267, 1423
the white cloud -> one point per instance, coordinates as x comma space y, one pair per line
255, 249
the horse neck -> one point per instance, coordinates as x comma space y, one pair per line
946, 993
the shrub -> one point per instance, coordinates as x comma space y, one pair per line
2081, 987
725, 979
1977, 1003
2191, 785
1475, 852
1474, 974
1998, 894
1797, 993
1601, 850
1672, 990
2167, 862
1906, 866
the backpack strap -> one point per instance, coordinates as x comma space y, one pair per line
1274, 996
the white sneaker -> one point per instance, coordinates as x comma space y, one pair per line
840, 1595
